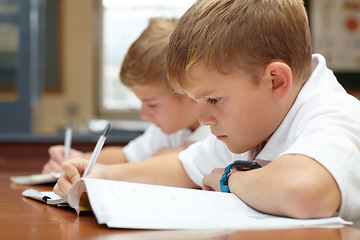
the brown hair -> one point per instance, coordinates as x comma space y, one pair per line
240, 35
144, 63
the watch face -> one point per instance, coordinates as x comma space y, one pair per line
245, 165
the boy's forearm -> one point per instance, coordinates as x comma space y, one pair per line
293, 186
109, 155
161, 170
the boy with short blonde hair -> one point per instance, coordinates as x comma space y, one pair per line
150, 50
174, 117
249, 66
238, 40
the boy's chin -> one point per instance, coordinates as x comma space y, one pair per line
166, 131
235, 149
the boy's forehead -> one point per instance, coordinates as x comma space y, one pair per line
204, 82
207, 82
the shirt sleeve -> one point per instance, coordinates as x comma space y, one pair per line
153, 139
145, 145
331, 136
202, 157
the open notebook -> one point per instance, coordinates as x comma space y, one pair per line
142, 206
34, 179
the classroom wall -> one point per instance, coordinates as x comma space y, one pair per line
76, 97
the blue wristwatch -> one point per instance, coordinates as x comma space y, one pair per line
238, 165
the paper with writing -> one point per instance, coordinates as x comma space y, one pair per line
132, 205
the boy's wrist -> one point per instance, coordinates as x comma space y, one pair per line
235, 166
114, 172
224, 181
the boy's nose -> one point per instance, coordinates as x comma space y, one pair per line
144, 114
205, 117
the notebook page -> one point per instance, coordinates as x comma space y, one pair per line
133, 205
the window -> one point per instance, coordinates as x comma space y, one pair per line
122, 23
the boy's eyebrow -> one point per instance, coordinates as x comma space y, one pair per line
148, 99
201, 94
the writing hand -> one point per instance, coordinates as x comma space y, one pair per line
57, 158
73, 169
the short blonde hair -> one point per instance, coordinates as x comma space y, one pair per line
240, 35
144, 63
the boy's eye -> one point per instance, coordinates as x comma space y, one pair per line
213, 100
152, 105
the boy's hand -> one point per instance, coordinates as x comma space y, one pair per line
73, 170
211, 182
57, 158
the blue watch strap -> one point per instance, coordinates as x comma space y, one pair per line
224, 187
239, 165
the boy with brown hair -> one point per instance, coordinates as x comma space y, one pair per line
266, 98
174, 117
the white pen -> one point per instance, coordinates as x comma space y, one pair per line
68, 137
92, 161
97, 150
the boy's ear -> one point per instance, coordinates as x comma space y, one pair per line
279, 74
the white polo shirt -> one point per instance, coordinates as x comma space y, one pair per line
323, 123
153, 139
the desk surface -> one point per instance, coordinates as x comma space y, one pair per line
22, 218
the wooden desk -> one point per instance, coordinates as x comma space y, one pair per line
22, 218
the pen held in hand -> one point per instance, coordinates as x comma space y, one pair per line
97, 150
92, 161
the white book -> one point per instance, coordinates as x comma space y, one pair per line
34, 179
142, 206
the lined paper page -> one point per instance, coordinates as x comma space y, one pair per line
132, 205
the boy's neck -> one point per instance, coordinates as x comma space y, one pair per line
194, 126
295, 91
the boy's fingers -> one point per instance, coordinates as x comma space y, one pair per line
46, 169
51, 166
75, 153
205, 185
62, 187
57, 153
72, 169
212, 181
